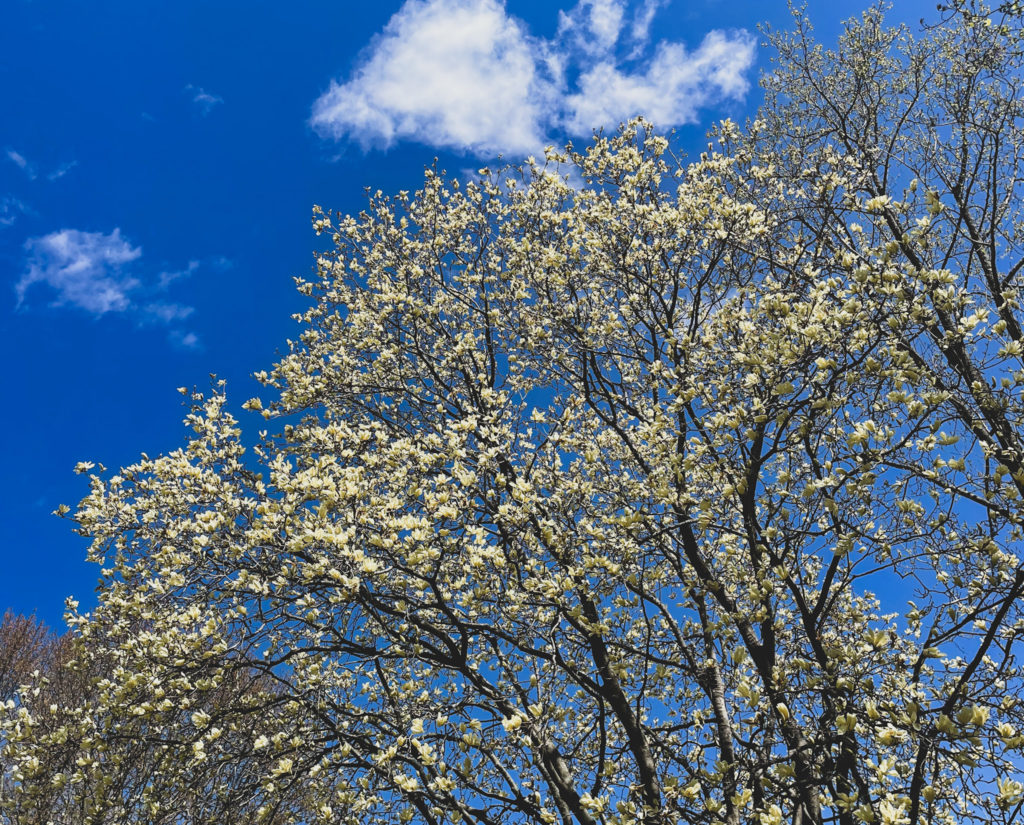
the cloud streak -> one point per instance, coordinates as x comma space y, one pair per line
21, 162
465, 75
61, 170
30, 170
165, 279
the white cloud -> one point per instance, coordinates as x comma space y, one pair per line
455, 73
640, 29
203, 99
593, 25
85, 269
93, 271
464, 75
671, 91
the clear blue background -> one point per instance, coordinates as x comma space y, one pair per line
103, 92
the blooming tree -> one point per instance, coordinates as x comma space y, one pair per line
607, 490
26, 645
57, 690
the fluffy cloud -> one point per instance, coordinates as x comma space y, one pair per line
457, 73
464, 75
670, 92
85, 269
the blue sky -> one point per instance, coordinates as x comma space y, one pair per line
159, 161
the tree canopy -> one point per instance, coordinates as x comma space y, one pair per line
607, 489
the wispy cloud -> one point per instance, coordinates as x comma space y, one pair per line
61, 170
184, 340
219, 263
99, 273
203, 99
593, 26
21, 162
465, 75
165, 279
640, 28
30, 170
167, 313
11, 209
